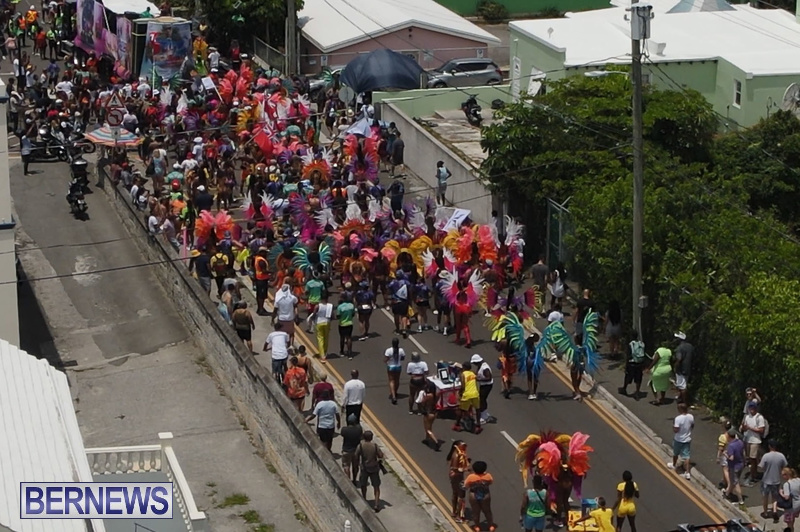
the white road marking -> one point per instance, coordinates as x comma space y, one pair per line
509, 439
413, 340
419, 345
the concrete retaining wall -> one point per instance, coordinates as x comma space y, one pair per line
464, 188
309, 471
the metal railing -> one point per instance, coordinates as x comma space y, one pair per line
266, 55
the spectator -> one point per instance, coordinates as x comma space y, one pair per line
285, 310
634, 365
682, 426
244, 324
753, 427
369, 456
771, 465
278, 341
353, 400
296, 383
418, 371
722, 456
442, 175
751, 395
539, 273
327, 414
790, 494
201, 264
351, 437
735, 458
319, 388
397, 152
682, 365
584, 306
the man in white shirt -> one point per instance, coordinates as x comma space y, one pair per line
168, 230
153, 227
130, 121
682, 428
483, 374
285, 310
64, 86
753, 427
197, 149
353, 399
278, 341
143, 88
189, 163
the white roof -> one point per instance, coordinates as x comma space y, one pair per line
41, 439
334, 24
120, 7
761, 42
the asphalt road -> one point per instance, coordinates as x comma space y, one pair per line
72, 246
662, 505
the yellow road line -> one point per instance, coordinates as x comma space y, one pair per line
710, 508
427, 485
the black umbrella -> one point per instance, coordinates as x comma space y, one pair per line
381, 69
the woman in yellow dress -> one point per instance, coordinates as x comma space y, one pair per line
627, 493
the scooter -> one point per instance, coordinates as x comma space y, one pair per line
472, 111
48, 147
77, 203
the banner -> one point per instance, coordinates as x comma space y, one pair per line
123, 64
85, 36
91, 27
167, 46
99, 29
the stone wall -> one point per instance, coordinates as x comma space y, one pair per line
309, 471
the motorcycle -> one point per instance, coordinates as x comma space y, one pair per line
77, 203
48, 147
472, 111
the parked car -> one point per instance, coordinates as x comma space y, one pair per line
468, 72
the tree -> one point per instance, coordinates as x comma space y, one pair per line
240, 19
764, 163
579, 135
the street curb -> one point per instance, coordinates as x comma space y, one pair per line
406, 479
606, 400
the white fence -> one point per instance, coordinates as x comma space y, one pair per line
159, 458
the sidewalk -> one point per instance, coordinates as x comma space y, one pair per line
658, 419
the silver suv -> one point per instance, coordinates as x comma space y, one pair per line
465, 73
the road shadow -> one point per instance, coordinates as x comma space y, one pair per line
35, 336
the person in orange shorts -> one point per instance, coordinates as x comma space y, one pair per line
480, 497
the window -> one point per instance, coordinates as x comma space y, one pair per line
737, 93
646, 79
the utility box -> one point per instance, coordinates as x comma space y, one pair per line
641, 14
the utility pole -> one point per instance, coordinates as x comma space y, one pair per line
640, 30
291, 37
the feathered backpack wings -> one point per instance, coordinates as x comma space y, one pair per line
558, 339
548, 453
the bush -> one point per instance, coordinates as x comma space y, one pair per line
492, 11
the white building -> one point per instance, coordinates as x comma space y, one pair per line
41, 442
743, 60
9, 325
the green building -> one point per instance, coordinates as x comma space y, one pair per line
743, 60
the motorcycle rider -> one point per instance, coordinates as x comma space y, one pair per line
75, 192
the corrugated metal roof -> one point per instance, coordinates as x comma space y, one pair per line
694, 6
334, 24
41, 439
761, 42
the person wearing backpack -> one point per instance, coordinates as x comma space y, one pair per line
219, 268
634, 365
370, 457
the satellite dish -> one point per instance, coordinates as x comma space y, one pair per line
346, 94
791, 99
